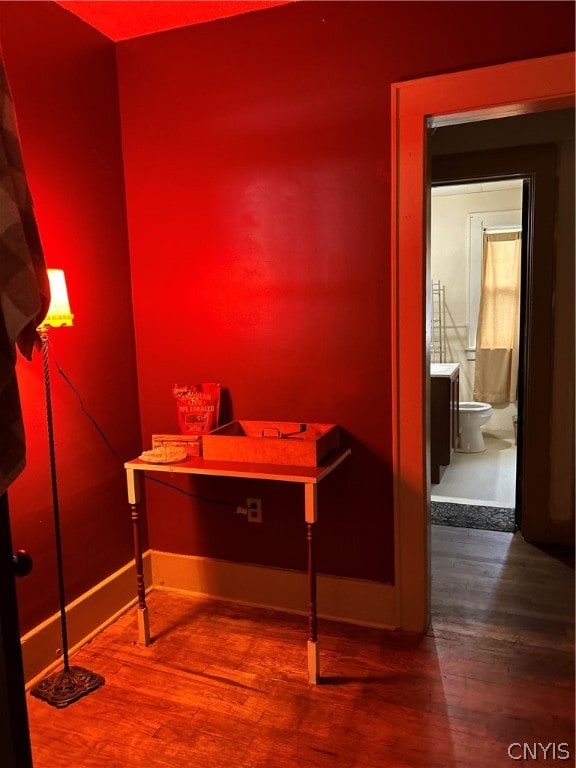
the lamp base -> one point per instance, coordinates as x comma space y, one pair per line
67, 686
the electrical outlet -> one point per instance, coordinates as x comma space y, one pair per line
254, 507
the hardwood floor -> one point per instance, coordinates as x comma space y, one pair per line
225, 686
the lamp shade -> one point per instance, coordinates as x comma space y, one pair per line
59, 313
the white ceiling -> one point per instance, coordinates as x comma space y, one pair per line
467, 189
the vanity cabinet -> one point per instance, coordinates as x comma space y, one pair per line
444, 421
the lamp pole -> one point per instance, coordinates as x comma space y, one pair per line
71, 683
55, 502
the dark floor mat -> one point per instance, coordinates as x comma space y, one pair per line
470, 516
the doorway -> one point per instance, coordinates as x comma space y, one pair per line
510, 89
477, 489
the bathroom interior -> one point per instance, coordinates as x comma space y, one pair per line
474, 482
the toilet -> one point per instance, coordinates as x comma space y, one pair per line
472, 417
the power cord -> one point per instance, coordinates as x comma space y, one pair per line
239, 510
85, 411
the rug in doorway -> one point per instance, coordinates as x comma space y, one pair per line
470, 516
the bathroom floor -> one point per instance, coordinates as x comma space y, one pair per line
483, 479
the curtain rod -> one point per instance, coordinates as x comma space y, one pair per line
497, 230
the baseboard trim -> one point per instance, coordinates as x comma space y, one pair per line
356, 601
85, 618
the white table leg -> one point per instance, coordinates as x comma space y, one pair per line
134, 499
313, 651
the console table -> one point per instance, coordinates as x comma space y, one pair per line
308, 476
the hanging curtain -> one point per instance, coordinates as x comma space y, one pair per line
24, 288
497, 338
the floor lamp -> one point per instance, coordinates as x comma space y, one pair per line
71, 683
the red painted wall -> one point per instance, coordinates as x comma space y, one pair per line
256, 155
63, 80
257, 166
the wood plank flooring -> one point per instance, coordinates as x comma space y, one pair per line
225, 686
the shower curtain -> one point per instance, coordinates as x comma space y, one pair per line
24, 288
497, 338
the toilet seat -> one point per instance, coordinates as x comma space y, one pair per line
474, 407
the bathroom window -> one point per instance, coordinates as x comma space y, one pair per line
479, 225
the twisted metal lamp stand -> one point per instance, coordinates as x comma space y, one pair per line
71, 683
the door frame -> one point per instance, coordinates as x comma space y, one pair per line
516, 88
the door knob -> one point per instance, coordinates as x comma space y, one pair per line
22, 563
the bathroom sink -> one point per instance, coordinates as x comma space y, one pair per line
443, 369
271, 442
